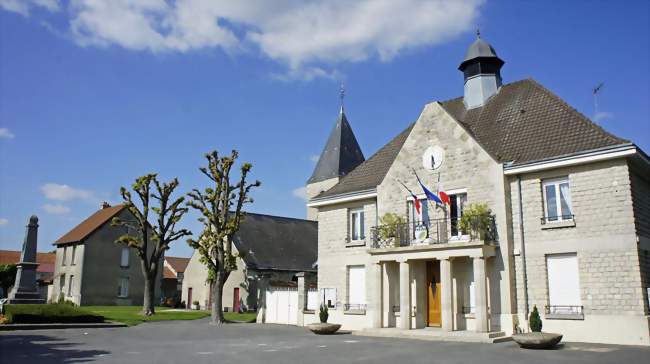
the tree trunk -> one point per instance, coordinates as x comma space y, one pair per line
149, 294
216, 311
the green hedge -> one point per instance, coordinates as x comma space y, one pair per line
50, 313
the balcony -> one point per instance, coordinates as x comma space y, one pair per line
564, 312
433, 232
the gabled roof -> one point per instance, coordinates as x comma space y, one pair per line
277, 243
370, 173
177, 263
522, 122
526, 122
88, 226
168, 274
45, 260
341, 154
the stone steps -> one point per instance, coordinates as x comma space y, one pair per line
437, 335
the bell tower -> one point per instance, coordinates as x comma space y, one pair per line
482, 73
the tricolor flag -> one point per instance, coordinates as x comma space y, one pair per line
430, 195
416, 201
443, 196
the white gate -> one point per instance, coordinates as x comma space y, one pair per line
282, 305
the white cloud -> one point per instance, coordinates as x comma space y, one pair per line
24, 6
300, 192
3, 221
58, 192
6, 134
56, 209
602, 115
309, 37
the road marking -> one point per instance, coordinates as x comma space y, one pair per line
271, 350
205, 352
351, 341
262, 344
322, 346
133, 352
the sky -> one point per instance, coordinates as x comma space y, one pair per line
96, 93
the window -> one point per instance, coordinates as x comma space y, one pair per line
124, 261
65, 252
123, 287
456, 207
74, 253
70, 285
357, 224
557, 199
356, 287
563, 285
61, 283
418, 217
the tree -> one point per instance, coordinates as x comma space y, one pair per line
220, 206
535, 321
151, 240
7, 277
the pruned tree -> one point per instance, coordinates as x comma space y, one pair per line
151, 240
220, 206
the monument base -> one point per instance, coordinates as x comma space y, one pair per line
25, 298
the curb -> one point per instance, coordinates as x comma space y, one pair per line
58, 326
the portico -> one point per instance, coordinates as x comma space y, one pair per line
443, 286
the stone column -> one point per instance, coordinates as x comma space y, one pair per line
261, 298
405, 295
446, 287
480, 294
25, 289
302, 298
375, 296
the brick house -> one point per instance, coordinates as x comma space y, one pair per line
568, 231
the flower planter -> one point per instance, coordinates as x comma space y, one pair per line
537, 340
321, 328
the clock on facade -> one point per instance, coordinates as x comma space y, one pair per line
433, 157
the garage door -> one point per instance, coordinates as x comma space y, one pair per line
282, 305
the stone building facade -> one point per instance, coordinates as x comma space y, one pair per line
567, 230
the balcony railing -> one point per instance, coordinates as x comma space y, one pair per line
437, 231
354, 307
564, 312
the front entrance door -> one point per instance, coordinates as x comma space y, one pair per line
235, 300
433, 289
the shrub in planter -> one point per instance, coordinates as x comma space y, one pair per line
535, 321
195, 304
323, 314
388, 228
476, 221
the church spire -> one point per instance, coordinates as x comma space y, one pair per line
342, 152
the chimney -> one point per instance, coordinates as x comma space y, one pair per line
105, 205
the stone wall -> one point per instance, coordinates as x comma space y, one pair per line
641, 202
313, 190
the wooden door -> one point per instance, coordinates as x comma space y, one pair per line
433, 293
235, 300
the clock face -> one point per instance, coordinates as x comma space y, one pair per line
433, 157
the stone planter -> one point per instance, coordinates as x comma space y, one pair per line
321, 328
537, 340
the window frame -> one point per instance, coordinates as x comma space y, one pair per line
73, 254
70, 285
454, 197
65, 251
556, 182
123, 290
128, 257
359, 211
564, 309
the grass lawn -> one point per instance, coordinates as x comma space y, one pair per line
245, 317
131, 315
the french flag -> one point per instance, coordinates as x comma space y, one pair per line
416, 201
430, 195
443, 196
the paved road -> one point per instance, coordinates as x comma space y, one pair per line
196, 342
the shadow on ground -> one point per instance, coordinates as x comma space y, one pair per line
43, 349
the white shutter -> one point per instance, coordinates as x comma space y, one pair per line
357, 284
563, 280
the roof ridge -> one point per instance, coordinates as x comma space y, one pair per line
277, 216
583, 118
118, 208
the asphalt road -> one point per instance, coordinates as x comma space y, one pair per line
197, 342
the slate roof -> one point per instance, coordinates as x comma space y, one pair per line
479, 49
277, 243
341, 153
526, 122
370, 173
88, 226
523, 122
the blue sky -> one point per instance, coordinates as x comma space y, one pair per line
92, 97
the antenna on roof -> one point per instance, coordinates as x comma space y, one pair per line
342, 95
478, 32
595, 92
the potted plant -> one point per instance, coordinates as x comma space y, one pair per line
195, 304
536, 339
388, 228
322, 327
476, 221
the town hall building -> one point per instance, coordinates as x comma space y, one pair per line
544, 209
